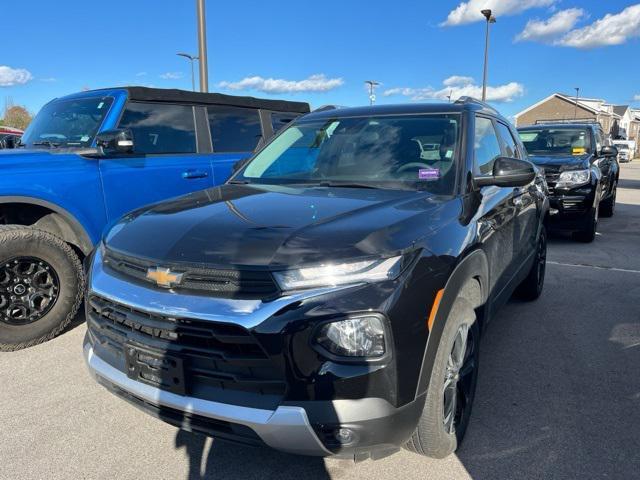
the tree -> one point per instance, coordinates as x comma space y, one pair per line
17, 117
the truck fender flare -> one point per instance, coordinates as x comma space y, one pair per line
80, 237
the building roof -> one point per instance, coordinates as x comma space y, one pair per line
620, 109
571, 99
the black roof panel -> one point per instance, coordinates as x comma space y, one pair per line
145, 94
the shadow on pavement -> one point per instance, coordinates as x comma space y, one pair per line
216, 459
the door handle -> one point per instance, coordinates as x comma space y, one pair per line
192, 174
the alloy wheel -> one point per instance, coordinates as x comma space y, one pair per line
29, 288
541, 260
459, 377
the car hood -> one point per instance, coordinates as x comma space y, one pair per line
562, 162
270, 226
21, 155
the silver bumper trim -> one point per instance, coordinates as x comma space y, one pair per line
286, 429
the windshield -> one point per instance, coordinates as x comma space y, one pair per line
561, 141
394, 152
67, 123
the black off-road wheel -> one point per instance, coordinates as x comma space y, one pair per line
588, 233
608, 207
531, 287
451, 388
41, 286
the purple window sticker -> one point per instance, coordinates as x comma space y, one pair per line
429, 174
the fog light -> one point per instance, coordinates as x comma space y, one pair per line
344, 436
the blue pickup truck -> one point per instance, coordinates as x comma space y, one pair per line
89, 158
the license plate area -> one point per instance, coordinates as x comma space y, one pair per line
155, 368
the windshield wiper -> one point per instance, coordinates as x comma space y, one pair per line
347, 185
239, 182
48, 143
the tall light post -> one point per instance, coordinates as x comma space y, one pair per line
575, 108
193, 75
372, 90
490, 19
202, 46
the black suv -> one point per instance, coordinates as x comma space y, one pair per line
327, 300
581, 168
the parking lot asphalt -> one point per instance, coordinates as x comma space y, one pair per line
558, 393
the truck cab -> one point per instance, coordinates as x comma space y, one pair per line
67, 180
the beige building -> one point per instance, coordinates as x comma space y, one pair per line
560, 107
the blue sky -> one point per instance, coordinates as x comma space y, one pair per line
323, 52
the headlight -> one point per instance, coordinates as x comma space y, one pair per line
354, 337
340, 274
573, 178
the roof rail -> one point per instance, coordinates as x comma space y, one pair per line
566, 121
466, 99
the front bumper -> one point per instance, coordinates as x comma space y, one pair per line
287, 428
572, 208
321, 397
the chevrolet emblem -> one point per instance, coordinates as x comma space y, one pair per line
163, 277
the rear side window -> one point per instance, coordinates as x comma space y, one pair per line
160, 128
507, 139
486, 147
279, 120
234, 129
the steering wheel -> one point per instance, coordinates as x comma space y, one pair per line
411, 166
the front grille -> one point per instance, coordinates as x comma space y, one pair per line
220, 360
248, 284
551, 177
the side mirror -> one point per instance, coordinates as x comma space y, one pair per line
508, 172
116, 141
608, 151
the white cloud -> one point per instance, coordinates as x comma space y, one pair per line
14, 76
545, 30
612, 29
636, 98
48, 79
458, 86
141, 74
457, 80
315, 83
469, 11
172, 75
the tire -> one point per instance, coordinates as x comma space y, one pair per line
588, 233
434, 436
48, 274
531, 287
608, 207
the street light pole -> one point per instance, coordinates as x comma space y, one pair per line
193, 75
490, 19
372, 87
202, 46
575, 109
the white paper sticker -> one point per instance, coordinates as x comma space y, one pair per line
84, 138
100, 105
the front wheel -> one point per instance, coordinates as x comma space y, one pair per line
452, 386
531, 287
609, 205
588, 233
41, 286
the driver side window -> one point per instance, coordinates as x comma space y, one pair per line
486, 146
